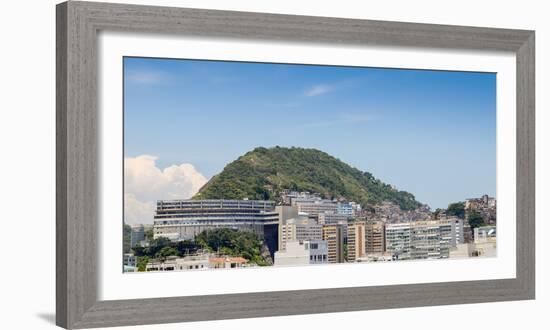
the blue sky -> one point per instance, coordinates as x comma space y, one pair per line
432, 133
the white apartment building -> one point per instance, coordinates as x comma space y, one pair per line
398, 239
458, 230
302, 253
431, 239
420, 239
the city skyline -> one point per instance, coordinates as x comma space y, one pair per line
300, 229
431, 133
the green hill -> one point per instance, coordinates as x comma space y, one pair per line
262, 173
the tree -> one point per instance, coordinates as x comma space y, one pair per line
166, 251
186, 247
475, 219
149, 235
139, 251
457, 209
345, 252
142, 263
126, 238
234, 243
156, 245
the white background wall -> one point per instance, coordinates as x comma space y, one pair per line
27, 163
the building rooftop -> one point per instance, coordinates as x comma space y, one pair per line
221, 260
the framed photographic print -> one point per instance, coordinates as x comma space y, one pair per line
234, 165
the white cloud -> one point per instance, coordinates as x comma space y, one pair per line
136, 211
145, 183
318, 90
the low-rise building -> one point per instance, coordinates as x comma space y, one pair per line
463, 250
483, 244
201, 261
485, 234
376, 257
302, 253
227, 262
129, 262
173, 263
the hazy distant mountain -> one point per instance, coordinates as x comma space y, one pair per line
263, 172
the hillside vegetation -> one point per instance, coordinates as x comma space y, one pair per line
263, 172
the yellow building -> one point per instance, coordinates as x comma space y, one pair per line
374, 237
334, 235
356, 241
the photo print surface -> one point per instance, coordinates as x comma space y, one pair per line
239, 165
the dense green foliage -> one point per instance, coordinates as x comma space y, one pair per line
456, 209
162, 247
142, 263
475, 219
346, 249
225, 241
234, 243
126, 238
262, 173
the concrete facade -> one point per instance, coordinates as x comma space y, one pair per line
299, 229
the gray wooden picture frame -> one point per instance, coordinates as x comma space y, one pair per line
78, 24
